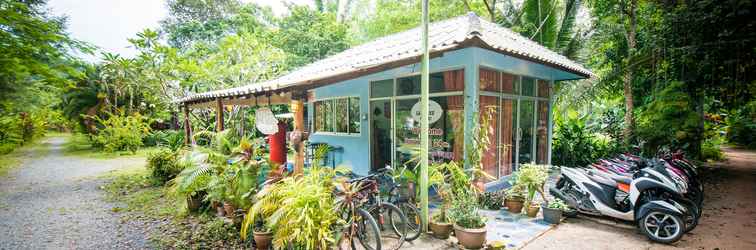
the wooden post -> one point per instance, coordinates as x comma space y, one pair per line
218, 115
297, 107
187, 126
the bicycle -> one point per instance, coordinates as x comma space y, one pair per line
379, 208
358, 222
406, 204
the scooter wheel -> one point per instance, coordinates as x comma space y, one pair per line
662, 226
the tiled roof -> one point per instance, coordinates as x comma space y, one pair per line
443, 35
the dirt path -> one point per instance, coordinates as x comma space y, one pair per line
728, 221
53, 201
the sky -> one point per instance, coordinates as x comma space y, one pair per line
108, 23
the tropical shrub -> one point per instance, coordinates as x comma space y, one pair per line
532, 178
172, 139
464, 212
741, 126
668, 121
163, 165
21, 128
300, 211
121, 132
574, 144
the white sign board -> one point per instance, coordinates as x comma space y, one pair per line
265, 121
434, 111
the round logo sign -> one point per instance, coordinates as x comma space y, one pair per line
434, 111
265, 121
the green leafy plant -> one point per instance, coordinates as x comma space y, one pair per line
532, 177
516, 192
163, 164
300, 211
120, 132
491, 200
558, 204
464, 212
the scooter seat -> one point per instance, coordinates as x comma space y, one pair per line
614, 177
601, 179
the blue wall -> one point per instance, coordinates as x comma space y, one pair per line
356, 153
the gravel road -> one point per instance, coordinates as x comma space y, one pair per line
54, 201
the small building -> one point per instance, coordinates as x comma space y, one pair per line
364, 100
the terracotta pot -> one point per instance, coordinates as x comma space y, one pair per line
440, 230
552, 215
470, 238
194, 202
514, 205
263, 239
229, 209
533, 210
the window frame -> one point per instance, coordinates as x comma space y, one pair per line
332, 100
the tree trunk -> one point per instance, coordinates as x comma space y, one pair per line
629, 71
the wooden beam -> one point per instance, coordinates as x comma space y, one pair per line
219, 115
297, 107
187, 127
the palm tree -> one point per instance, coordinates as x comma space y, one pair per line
551, 23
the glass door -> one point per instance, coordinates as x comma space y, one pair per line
507, 140
525, 132
380, 133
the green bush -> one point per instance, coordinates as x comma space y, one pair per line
163, 165
741, 126
121, 132
668, 121
21, 128
172, 139
574, 145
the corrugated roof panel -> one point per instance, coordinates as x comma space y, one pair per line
443, 35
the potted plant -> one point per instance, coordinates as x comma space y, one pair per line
469, 225
532, 177
440, 225
552, 211
515, 197
262, 235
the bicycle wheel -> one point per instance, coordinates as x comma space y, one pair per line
367, 231
393, 231
413, 220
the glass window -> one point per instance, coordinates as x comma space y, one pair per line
446, 131
340, 115
528, 86
384, 88
323, 116
340, 112
489, 80
544, 89
447, 81
509, 83
488, 117
408, 85
354, 115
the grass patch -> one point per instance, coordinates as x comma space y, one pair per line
139, 197
14, 159
79, 145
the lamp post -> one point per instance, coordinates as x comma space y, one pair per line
424, 91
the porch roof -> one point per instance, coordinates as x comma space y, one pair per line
405, 48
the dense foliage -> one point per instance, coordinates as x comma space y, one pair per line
163, 165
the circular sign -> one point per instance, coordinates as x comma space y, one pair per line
265, 121
434, 111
